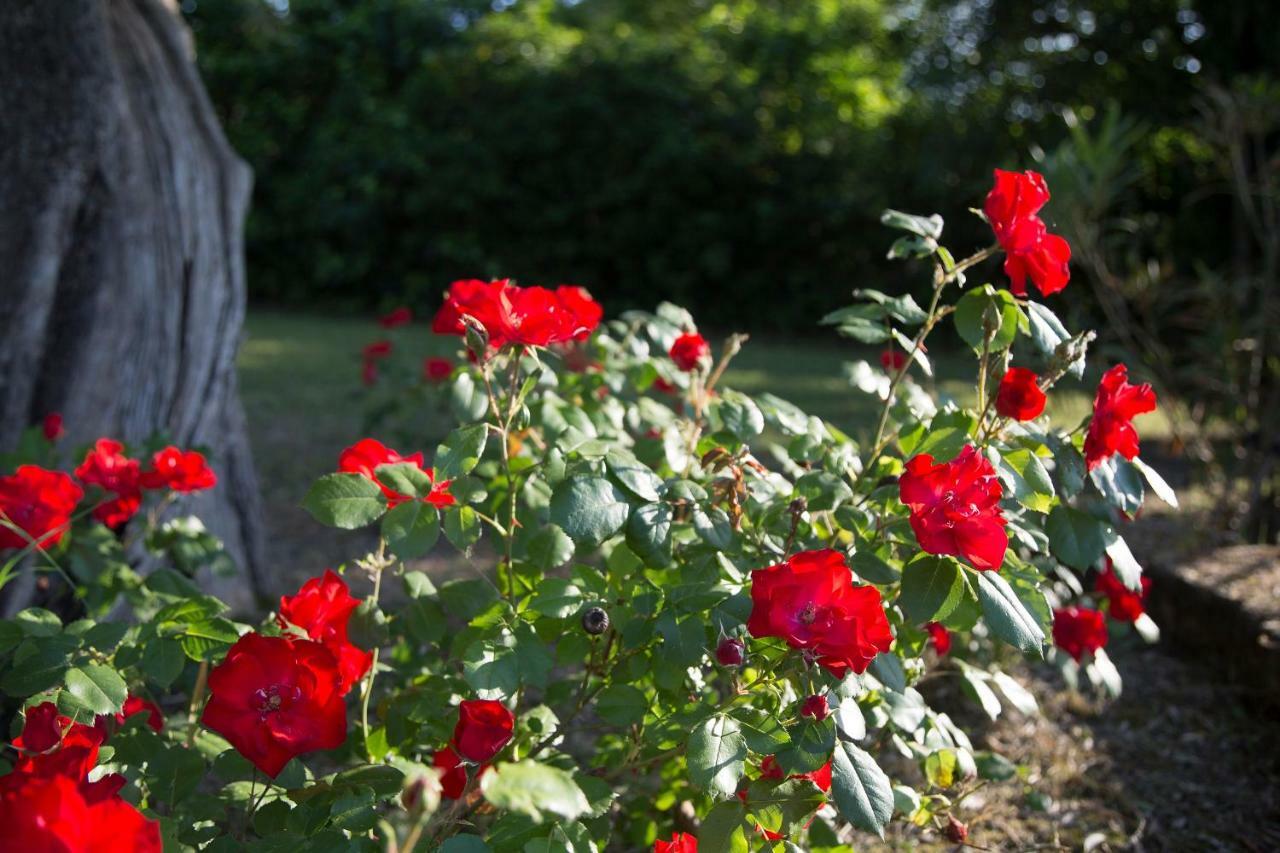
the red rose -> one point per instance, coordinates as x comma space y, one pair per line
816, 707
523, 316
376, 350
367, 454
689, 351
585, 312
57, 813
810, 602
1031, 252
1115, 406
401, 316
138, 705
53, 745
40, 503
42, 728
681, 842
369, 372
769, 769
1123, 604
179, 471
893, 359
52, 426
453, 773
1019, 396
955, 507
484, 728
322, 608
105, 465
731, 652
1079, 630
939, 638
664, 386
436, 369
275, 698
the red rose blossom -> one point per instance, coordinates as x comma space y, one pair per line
731, 652
955, 507
1079, 630
1115, 406
52, 427
401, 316
1123, 604
59, 814
939, 638
810, 602
484, 728
893, 359
322, 608
367, 454
816, 707
453, 773
275, 698
521, 316
681, 842
138, 705
179, 471
1019, 396
436, 369
1031, 252
40, 503
106, 466
689, 351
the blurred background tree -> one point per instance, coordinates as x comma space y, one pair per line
733, 156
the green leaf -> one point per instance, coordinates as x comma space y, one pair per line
971, 309
1047, 330
635, 477
740, 415
534, 790
347, 501
411, 529
1119, 484
162, 661
810, 746
725, 829
461, 451
1123, 562
38, 622
464, 843
383, 779
405, 478
462, 527
823, 490
1076, 538
922, 226
713, 527
621, 704
98, 688
204, 640
977, 688
948, 434
870, 567
931, 588
557, 598
861, 790
37, 665
549, 547
589, 509
1033, 487
716, 754
1006, 615
784, 806
1158, 485
649, 533
492, 669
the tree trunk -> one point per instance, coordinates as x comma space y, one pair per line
121, 213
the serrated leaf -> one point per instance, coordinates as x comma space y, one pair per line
1119, 484
346, 501
461, 451
411, 529
621, 704
931, 588
549, 547
1006, 615
649, 533
589, 509
716, 755
861, 790
98, 688
537, 791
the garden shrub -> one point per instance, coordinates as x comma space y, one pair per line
689, 617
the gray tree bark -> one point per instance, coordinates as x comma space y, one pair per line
121, 257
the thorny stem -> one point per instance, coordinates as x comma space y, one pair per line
379, 565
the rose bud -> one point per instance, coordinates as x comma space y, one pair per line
815, 706
731, 652
955, 831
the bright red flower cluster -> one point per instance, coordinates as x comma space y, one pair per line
681, 842
172, 469
810, 602
689, 351
1030, 250
367, 454
274, 698
1123, 604
1079, 630
520, 316
39, 502
1019, 395
955, 507
47, 802
1115, 406
770, 769
322, 608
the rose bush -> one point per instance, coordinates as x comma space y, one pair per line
688, 619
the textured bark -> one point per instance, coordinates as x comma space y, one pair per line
121, 213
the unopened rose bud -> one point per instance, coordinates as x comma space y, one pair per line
955, 831
476, 335
816, 707
731, 652
595, 620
